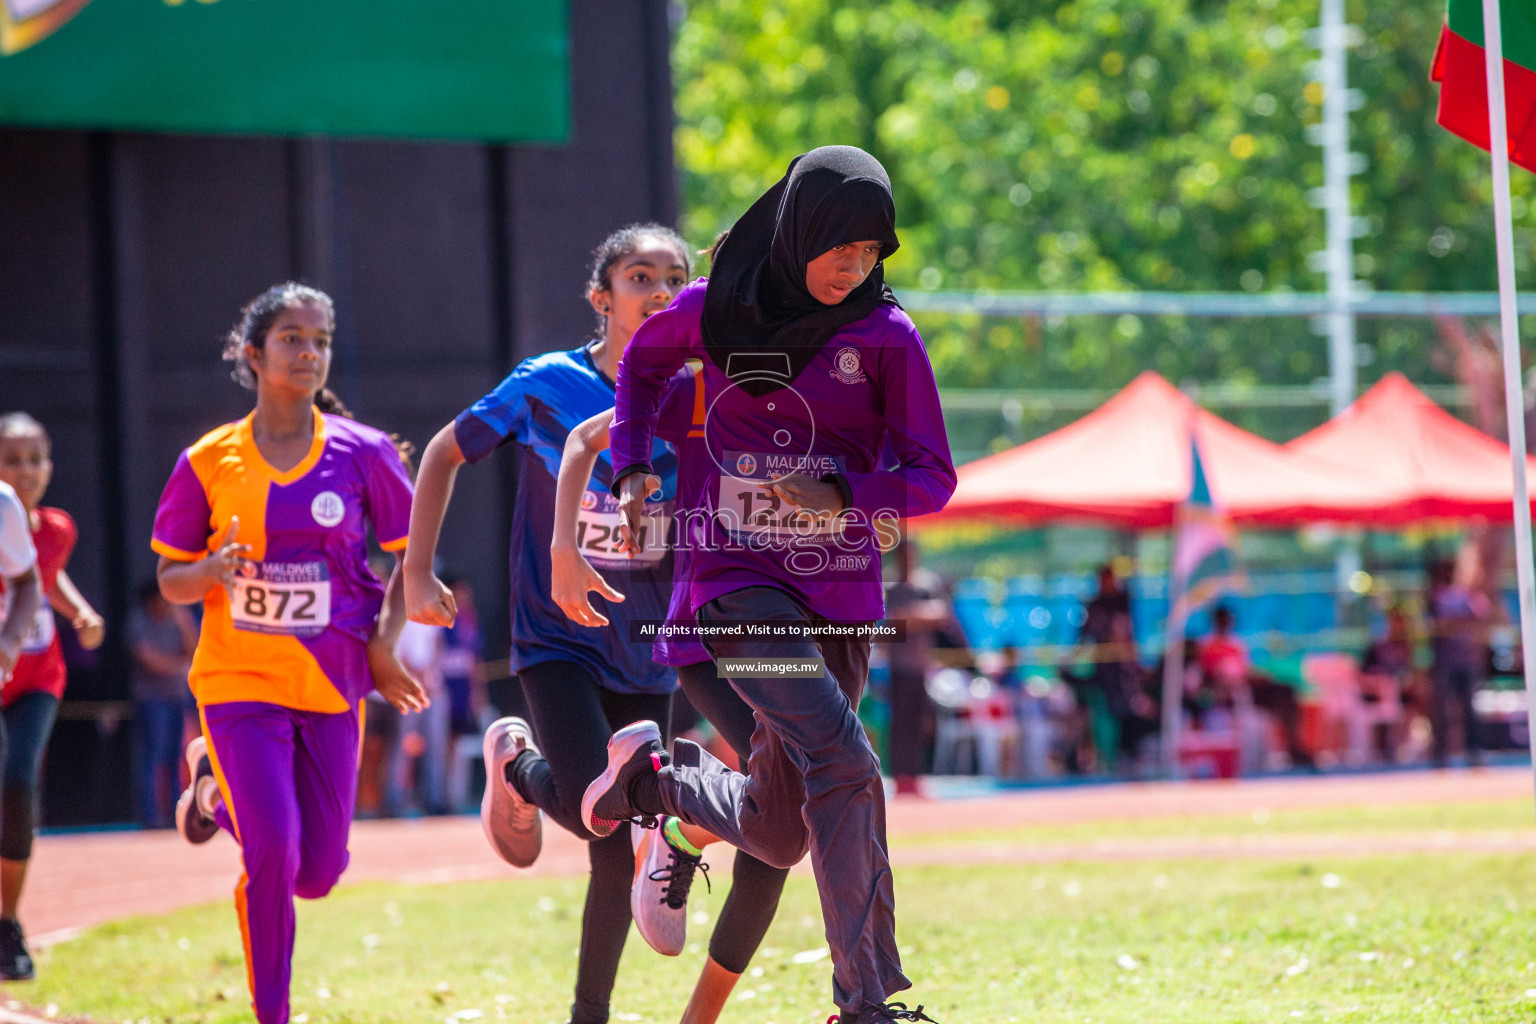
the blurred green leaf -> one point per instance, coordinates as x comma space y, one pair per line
1084, 145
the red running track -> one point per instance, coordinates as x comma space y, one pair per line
80, 880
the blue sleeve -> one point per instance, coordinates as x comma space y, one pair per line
496, 419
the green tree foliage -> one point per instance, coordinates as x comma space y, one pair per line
1083, 145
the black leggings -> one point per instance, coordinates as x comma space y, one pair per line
28, 722
572, 718
755, 886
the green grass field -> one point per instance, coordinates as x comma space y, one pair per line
1373, 821
1447, 937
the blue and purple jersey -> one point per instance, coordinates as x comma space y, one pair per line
870, 392
295, 630
536, 408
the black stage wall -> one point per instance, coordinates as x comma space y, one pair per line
125, 257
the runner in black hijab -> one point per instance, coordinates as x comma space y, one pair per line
756, 302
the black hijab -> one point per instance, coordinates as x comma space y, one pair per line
756, 306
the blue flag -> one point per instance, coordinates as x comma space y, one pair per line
1204, 546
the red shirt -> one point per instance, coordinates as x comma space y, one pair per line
41, 665
1221, 655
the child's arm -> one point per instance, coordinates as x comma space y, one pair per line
391, 678
426, 598
572, 577
70, 603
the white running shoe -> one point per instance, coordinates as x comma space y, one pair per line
512, 825
194, 808
658, 898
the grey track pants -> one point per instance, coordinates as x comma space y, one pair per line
812, 783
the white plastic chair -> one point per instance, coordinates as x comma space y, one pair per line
995, 725
954, 739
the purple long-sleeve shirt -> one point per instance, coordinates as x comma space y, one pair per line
864, 413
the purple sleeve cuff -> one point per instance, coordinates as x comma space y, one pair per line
619, 475
843, 488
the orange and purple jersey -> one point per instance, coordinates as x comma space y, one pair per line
295, 632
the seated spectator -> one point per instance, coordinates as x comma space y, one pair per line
1386, 674
1120, 690
1228, 669
1116, 682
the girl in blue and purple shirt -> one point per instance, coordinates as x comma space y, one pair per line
812, 374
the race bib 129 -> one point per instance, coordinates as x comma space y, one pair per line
285, 598
597, 532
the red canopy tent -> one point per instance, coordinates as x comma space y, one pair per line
1127, 464
1446, 468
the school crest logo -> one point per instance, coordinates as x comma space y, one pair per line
328, 509
746, 464
847, 368
25, 23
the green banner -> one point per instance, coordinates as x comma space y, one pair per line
493, 70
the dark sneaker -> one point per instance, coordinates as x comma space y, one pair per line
194, 809
890, 1013
511, 824
632, 752
658, 899
15, 961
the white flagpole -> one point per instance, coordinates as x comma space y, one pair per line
1514, 399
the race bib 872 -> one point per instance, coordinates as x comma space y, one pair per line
284, 598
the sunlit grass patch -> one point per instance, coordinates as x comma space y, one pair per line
1428, 938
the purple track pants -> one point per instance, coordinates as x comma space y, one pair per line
289, 782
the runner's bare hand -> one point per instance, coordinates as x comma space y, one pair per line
429, 601
572, 578
90, 630
801, 491
224, 563
633, 490
394, 681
